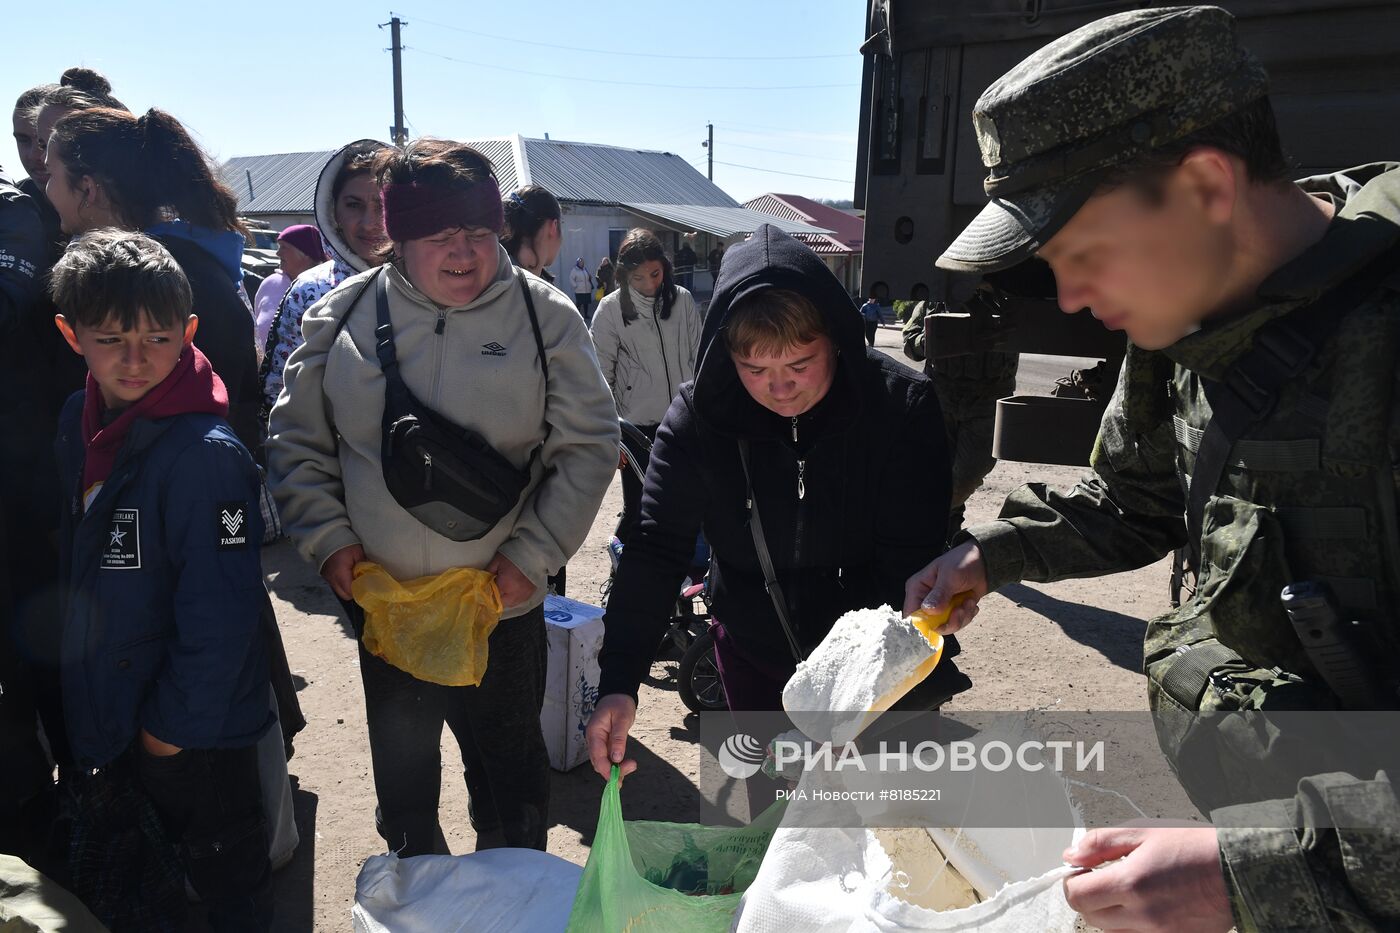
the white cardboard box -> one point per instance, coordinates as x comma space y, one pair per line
574, 632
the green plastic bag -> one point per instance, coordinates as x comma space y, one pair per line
650, 877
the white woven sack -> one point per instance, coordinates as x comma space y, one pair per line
495, 891
828, 880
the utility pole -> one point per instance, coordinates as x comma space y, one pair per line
399, 133
710, 150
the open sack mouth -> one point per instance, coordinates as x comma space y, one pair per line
460, 273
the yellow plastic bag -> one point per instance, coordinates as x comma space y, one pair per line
435, 628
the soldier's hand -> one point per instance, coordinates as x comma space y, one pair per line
961, 570
606, 734
1169, 879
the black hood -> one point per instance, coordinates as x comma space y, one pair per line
772, 259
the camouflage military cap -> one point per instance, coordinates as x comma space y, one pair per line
1049, 128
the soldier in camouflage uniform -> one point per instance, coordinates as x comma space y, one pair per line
1138, 156
968, 388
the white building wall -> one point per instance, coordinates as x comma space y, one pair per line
585, 229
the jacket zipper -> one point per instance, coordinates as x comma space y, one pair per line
795, 600
797, 536
801, 466
665, 362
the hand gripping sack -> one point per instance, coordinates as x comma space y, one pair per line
435, 628
652, 877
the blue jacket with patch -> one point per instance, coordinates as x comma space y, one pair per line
164, 589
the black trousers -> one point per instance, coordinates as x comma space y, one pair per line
497, 728
871, 328
210, 804
632, 492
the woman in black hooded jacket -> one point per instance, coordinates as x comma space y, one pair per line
830, 469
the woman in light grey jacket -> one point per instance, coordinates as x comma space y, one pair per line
467, 350
646, 333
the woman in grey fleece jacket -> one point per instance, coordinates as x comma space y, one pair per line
646, 334
466, 349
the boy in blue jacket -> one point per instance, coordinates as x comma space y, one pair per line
164, 674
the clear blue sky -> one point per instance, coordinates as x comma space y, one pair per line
260, 77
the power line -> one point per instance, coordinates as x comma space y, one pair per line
801, 155
753, 129
651, 84
773, 171
615, 52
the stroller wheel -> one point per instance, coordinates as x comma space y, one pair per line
698, 679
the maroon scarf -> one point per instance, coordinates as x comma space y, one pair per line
192, 387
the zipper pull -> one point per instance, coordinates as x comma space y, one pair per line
801, 483
441, 324
794, 429
427, 471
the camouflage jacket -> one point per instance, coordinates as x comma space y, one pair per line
987, 367
1310, 494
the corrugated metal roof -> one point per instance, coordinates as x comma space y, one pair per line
284, 183
824, 245
720, 221
613, 175
574, 172
501, 152
847, 229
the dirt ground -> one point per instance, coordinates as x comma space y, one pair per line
1073, 645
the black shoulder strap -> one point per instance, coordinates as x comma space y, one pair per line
534, 324
359, 292
765, 560
1282, 351
384, 330
395, 389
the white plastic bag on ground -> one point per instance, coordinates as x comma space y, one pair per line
34, 903
496, 891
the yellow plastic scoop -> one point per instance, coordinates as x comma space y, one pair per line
867, 662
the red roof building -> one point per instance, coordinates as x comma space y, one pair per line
842, 249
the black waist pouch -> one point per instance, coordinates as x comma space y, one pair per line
445, 475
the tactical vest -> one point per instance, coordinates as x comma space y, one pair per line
990, 366
1307, 495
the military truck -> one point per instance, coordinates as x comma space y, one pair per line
1335, 69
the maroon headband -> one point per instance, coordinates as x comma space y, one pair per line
415, 211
